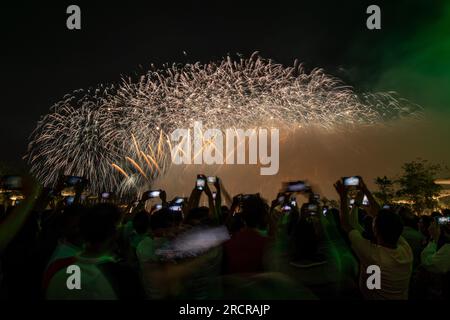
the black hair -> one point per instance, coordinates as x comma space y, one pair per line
408, 218
198, 214
389, 226
99, 223
141, 222
254, 211
160, 219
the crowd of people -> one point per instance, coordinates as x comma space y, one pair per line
241, 247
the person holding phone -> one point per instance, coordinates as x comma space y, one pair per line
390, 252
434, 258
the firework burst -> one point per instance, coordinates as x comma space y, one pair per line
117, 136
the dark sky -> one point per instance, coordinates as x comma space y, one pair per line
41, 60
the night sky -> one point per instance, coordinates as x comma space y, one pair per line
41, 60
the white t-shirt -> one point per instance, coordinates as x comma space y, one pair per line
437, 261
94, 284
395, 266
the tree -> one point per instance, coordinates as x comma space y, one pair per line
385, 191
417, 184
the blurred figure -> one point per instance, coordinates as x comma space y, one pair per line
70, 242
102, 275
390, 252
411, 234
436, 258
246, 250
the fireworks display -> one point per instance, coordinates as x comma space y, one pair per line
117, 136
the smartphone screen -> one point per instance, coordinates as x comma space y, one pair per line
443, 220
176, 208
296, 186
212, 179
351, 181
200, 183
365, 201
154, 194
178, 200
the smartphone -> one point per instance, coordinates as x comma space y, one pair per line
296, 186
443, 221
365, 201
351, 181
201, 182
325, 210
179, 200
214, 195
293, 203
69, 200
154, 194
11, 182
212, 179
176, 208
71, 181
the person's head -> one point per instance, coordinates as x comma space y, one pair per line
387, 228
198, 215
69, 225
367, 224
225, 212
141, 222
306, 239
254, 212
99, 225
160, 221
435, 214
408, 217
424, 224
